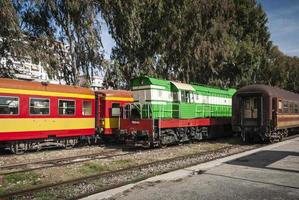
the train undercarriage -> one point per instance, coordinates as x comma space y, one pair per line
19, 147
173, 136
250, 135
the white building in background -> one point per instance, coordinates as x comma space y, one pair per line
33, 70
97, 81
30, 71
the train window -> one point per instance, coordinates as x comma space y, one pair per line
291, 107
296, 108
185, 96
285, 107
66, 107
9, 105
86, 108
175, 96
280, 106
115, 110
39, 106
247, 103
127, 111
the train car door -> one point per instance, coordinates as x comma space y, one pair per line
98, 112
251, 106
275, 105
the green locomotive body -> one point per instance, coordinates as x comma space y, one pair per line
169, 99
166, 112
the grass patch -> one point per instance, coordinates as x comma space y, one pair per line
22, 178
124, 162
19, 181
92, 168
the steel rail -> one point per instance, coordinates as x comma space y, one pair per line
59, 162
136, 168
115, 172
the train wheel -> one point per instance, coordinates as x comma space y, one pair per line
18, 148
273, 140
244, 137
70, 143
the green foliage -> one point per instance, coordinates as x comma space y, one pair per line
10, 37
66, 36
224, 43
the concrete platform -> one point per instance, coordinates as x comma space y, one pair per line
271, 172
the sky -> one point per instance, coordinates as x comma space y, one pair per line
108, 42
283, 23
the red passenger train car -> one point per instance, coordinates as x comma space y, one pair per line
110, 105
31, 113
35, 115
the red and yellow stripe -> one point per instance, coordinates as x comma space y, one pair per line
110, 123
44, 124
287, 121
45, 93
127, 99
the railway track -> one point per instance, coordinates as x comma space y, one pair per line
178, 162
109, 180
30, 166
57, 162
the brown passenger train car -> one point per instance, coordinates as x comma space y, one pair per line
264, 112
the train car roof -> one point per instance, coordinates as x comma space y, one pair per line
40, 86
115, 93
270, 90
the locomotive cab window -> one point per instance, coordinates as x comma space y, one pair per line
185, 96
175, 96
39, 106
86, 108
115, 110
9, 105
66, 107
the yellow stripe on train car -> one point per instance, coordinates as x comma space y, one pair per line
111, 122
45, 93
45, 124
289, 122
129, 99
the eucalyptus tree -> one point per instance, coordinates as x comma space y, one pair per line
206, 41
10, 39
68, 35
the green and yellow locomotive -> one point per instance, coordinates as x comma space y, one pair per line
169, 112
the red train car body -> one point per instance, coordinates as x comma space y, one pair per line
110, 105
31, 112
34, 115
